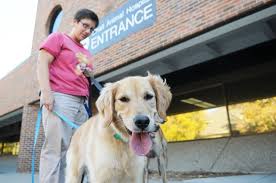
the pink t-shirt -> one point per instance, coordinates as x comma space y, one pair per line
62, 71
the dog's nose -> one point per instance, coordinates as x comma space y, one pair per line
141, 121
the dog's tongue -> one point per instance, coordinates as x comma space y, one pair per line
140, 143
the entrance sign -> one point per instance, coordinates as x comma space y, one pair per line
128, 19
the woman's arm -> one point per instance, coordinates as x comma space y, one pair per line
44, 59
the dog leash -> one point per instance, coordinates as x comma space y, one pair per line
64, 119
37, 127
96, 83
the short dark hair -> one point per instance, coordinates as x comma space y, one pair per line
86, 13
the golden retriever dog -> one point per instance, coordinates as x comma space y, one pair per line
112, 146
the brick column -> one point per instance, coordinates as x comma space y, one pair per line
27, 138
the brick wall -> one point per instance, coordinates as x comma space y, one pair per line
27, 138
19, 87
177, 20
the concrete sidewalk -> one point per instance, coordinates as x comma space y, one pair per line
230, 179
269, 178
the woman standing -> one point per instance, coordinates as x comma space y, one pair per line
63, 90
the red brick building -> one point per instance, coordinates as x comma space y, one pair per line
217, 56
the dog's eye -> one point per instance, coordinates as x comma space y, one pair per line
148, 96
124, 99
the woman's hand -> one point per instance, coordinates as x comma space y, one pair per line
47, 99
84, 66
88, 72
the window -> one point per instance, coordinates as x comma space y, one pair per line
253, 117
56, 20
9, 148
243, 107
252, 105
197, 115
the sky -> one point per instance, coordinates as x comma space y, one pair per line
17, 19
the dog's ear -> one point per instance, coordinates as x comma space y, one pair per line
162, 92
105, 103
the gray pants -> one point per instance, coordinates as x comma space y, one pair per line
58, 135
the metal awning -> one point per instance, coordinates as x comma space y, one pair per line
11, 118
